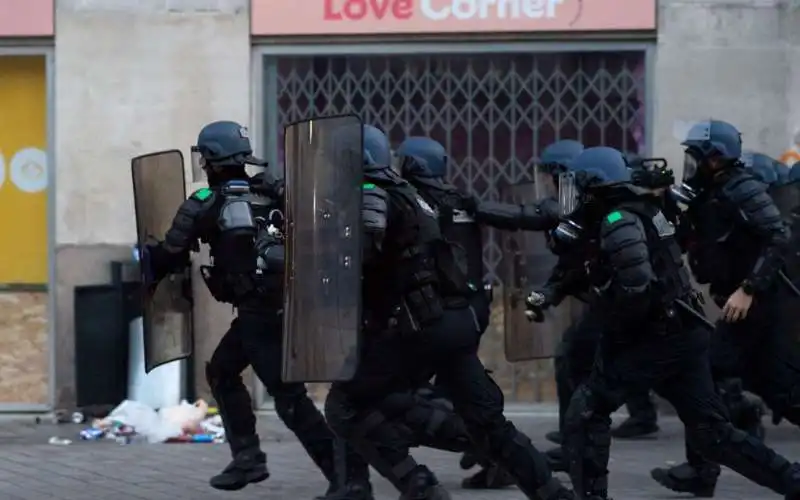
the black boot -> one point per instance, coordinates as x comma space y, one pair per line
556, 459
635, 428
249, 466
555, 437
423, 485
488, 478
355, 490
684, 478
468, 461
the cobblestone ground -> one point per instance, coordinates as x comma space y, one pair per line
32, 469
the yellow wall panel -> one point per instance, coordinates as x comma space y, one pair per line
23, 170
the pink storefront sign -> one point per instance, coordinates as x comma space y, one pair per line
375, 17
26, 18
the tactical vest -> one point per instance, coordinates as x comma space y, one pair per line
428, 273
459, 228
235, 276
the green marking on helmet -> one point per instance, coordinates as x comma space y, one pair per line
613, 217
202, 194
368, 185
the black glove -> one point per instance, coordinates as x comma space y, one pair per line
266, 239
469, 203
267, 184
549, 207
537, 302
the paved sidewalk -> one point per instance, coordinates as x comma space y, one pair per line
32, 469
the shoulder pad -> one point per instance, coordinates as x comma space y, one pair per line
203, 194
743, 186
617, 220
371, 189
384, 176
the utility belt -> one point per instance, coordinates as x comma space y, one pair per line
417, 310
238, 289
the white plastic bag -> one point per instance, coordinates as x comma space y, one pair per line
186, 416
146, 421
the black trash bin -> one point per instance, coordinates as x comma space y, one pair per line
102, 316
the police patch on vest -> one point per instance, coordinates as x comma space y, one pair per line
425, 207
664, 227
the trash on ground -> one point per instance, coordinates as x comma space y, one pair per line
59, 441
184, 423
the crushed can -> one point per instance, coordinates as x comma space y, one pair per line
92, 434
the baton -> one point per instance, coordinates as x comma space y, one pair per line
789, 283
699, 317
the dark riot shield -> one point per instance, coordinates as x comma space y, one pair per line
158, 190
324, 167
527, 263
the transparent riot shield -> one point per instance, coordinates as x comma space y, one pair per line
158, 190
322, 316
527, 264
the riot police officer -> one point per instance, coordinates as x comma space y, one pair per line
233, 217
423, 162
651, 335
422, 320
737, 244
581, 339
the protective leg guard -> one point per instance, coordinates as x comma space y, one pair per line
249, 463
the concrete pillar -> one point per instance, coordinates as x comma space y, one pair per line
725, 59
134, 76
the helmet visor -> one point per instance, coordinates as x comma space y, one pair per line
690, 166
568, 194
198, 165
544, 183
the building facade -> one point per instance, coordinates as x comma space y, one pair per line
87, 84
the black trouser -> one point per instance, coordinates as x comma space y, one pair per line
762, 351
254, 339
573, 364
676, 366
394, 364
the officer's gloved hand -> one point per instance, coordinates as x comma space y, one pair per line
549, 207
469, 203
268, 185
537, 302
266, 239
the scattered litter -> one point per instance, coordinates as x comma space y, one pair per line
59, 441
78, 418
184, 423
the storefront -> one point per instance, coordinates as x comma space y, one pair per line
495, 81
26, 337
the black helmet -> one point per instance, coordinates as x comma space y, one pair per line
224, 144
377, 150
595, 171
560, 155
428, 152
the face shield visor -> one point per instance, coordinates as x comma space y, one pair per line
568, 194
684, 192
544, 183
198, 165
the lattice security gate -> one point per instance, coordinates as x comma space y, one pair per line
493, 112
